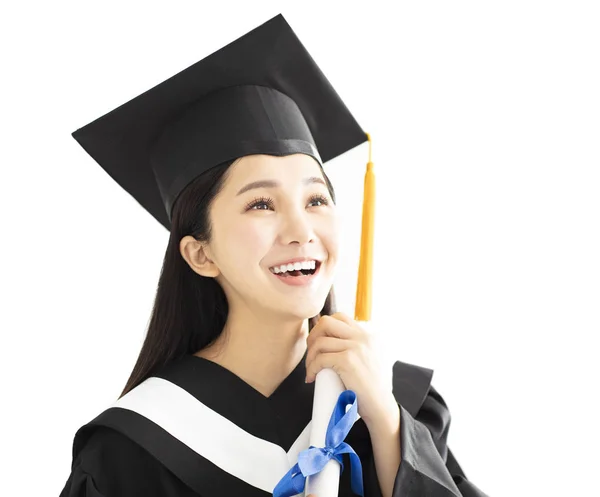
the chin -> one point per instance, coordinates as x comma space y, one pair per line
310, 311
300, 306
300, 311
307, 312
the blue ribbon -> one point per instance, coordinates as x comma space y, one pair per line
314, 459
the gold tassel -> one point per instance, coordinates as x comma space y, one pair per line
362, 309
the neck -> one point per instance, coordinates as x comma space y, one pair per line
260, 351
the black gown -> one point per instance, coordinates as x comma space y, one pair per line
196, 429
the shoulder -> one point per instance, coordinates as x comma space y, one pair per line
111, 448
111, 464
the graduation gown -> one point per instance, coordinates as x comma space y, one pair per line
196, 429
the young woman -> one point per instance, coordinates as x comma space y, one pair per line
220, 400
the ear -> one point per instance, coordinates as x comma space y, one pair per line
196, 254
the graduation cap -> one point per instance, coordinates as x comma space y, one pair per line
260, 94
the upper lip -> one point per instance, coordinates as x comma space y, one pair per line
297, 259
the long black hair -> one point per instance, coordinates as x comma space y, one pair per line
190, 310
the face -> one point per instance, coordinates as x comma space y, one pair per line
273, 210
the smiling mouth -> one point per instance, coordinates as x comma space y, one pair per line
300, 272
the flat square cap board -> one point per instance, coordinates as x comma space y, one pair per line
261, 94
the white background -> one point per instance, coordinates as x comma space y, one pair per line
485, 121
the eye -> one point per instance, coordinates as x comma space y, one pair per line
319, 198
260, 201
268, 201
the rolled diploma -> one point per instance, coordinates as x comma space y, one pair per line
328, 387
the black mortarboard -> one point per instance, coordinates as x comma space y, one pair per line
260, 94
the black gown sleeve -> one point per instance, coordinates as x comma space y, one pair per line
112, 465
427, 465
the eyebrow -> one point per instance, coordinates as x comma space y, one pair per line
267, 183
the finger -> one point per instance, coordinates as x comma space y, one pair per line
352, 323
331, 360
325, 344
358, 332
330, 326
344, 318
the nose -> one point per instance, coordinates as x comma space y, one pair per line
297, 228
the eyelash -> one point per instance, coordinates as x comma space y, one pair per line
269, 201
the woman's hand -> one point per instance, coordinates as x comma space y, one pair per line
339, 343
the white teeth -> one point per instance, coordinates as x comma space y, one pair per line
297, 266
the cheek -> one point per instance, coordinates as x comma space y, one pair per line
249, 238
329, 233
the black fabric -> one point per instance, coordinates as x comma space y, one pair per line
109, 463
260, 94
